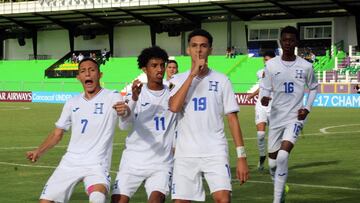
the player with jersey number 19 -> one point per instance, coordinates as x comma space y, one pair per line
285, 79
92, 117
202, 97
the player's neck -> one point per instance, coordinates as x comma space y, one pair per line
204, 72
288, 57
90, 95
155, 85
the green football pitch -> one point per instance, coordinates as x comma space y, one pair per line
324, 166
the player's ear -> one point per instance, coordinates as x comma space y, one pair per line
188, 50
101, 74
143, 69
210, 50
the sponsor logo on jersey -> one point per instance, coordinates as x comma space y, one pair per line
145, 104
77, 108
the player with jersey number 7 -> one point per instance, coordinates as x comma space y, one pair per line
92, 117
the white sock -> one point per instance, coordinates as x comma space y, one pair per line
261, 142
97, 197
281, 174
272, 167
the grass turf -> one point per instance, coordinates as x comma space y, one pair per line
323, 167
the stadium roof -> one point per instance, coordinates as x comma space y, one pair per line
175, 14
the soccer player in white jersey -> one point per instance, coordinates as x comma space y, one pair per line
261, 115
171, 69
202, 97
148, 150
92, 119
285, 78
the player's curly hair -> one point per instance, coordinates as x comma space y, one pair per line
147, 54
290, 30
201, 32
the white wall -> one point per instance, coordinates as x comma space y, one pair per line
13, 51
129, 41
219, 32
54, 43
238, 36
99, 43
345, 29
172, 45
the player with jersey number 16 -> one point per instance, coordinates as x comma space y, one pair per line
285, 79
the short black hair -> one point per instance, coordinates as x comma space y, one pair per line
201, 32
172, 61
269, 53
147, 54
89, 59
290, 30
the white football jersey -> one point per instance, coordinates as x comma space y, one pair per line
93, 122
258, 105
200, 129
149, 143
286, 81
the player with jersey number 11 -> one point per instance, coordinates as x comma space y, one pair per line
147, 156
285, 79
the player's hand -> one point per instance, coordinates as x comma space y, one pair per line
265, 101
122, 109
33, 155
200, 64
302, 113
136, 89
242, 170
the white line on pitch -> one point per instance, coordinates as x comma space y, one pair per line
233, 180
34, 147
307, 185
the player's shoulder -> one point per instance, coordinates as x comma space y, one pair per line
180, 76
304, 63
215, 74
273, 61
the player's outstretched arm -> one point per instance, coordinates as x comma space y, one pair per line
252, 95
54, 137
242, 170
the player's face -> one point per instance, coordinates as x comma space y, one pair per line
89, 76
155, 70
171, 69
199, 47
288, 43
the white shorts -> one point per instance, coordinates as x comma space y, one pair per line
289, 132
62, 182
262, 114
128, 180
187, 180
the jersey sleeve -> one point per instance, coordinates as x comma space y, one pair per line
265, 84
64, 122
229, 101
174, 85
311, 80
